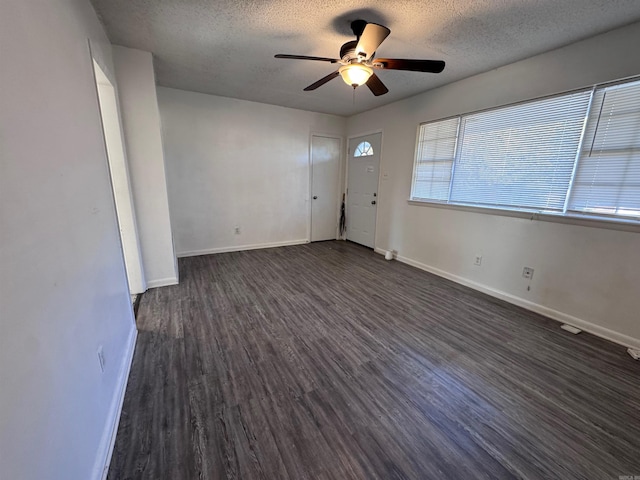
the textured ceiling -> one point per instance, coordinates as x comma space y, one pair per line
226, 47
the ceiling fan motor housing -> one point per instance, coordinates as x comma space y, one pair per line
348, 50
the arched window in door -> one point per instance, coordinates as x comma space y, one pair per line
364, 149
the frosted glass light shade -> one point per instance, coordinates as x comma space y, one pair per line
355, 74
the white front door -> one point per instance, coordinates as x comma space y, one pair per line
362, 188
325, 187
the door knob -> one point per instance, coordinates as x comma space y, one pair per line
373, 202
315, 197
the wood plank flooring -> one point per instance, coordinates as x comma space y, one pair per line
324, 361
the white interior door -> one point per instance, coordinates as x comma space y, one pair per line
362, 188
325, 187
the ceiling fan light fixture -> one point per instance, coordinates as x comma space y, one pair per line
358, 62
355, 74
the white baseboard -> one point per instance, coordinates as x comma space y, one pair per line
162, 282
108, 441
561, 317
240, 248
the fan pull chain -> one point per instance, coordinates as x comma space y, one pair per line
354, 95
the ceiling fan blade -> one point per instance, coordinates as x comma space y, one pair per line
322, 81
430, 66
376, 86
371, 38
304, 57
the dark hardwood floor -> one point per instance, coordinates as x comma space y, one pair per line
324, 361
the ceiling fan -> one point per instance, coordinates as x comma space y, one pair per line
357, 62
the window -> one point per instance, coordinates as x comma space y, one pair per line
364, 149
607, 177
577, 153
436, 149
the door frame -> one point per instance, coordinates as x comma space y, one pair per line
346, 178
340, 177
134, 261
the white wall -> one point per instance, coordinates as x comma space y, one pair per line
583, 274
237, 163
141, 124
63, 289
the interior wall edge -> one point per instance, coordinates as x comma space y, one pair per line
105, 451
597, 330
143, 141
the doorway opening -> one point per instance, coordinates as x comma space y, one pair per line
120, 184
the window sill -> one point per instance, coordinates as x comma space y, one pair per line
630, 225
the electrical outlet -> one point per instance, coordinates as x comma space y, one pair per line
527, 272
236, 230
101, 358
478, 260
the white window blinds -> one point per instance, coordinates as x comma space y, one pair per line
577, 153
434, 159
520, 156
607, 179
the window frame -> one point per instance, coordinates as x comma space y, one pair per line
568, 216
417, 148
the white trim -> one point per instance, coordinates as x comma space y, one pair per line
561, 317
240, 248
133, 262
379, 197
162, 282
310, 186
103, 460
